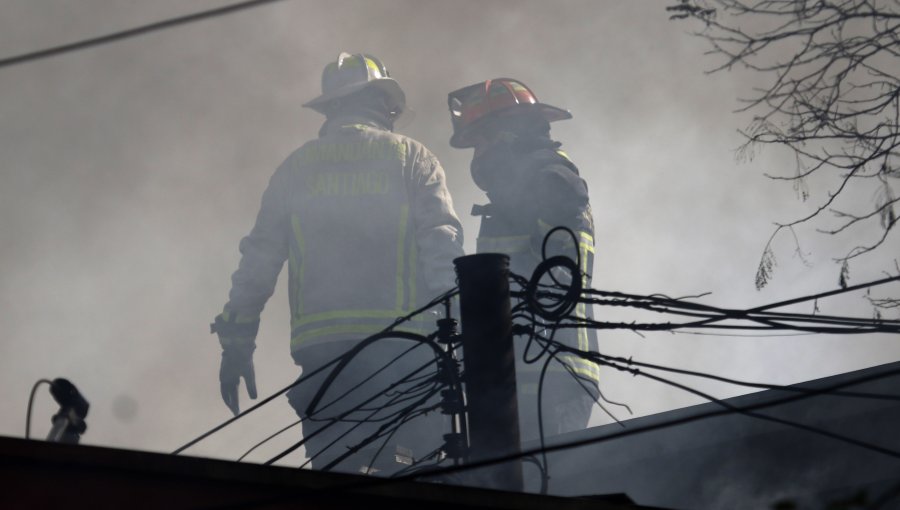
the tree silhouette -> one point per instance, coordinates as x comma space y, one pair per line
831, 94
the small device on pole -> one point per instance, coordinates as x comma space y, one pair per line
68, 423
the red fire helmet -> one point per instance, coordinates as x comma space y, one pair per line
471, 107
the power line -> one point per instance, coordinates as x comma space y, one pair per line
132, 32
386, 332
341, 364
710, 317
797, 425
749, 384
263, 402
661, 425
377, 482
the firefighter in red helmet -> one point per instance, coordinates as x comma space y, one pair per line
532, 186
364, 219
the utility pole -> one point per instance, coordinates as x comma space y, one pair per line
489, 362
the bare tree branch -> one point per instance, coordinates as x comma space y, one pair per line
831, 94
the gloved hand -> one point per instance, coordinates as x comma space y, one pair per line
237, 362
238, 342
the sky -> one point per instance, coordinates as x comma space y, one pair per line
130, 171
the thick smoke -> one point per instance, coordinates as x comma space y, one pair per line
130, 172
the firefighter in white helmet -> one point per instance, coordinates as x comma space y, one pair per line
365, 221
533, 187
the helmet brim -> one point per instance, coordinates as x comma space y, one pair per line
387, 85
466, 138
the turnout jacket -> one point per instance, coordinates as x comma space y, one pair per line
365, 221
532, 189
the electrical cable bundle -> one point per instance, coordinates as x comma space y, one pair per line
390, 406
543, 309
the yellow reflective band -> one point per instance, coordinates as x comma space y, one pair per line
562, 360
582, 332
401, 248
581, 366
590, 374
413, 264
589, 239
300, 267
348, 314
360, 329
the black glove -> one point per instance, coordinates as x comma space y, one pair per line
237, 362
238, 342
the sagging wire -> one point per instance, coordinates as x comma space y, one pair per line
535, 312
748, 384
271, 437
632, 431
31, 403
545, 258
406, 418
132, 32
581, 380
381, 432
628, 367
735, 409
761, 318
737, 335
708, 322
599, 357
367, 379
544, 464
341, 363
565, 303
545, 472
431, 304
332, 422
403, 415
564, 299
305, 377
390, 421
709, 316
545, 476
398, 419
298, 422
429, 388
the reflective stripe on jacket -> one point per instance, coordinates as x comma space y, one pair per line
364, 218
546, 192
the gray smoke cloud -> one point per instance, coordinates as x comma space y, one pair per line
130, 171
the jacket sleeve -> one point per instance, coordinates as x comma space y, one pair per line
439, 235
263, 252
565, 202
563, 196
562, 200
